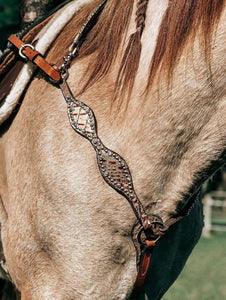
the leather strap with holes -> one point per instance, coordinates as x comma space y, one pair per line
27, 51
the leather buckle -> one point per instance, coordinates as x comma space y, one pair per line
23, 47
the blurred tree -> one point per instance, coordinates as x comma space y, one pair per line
9, 19
9, 12
17, 14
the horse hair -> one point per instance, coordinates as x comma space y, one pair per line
180, 23
131, 58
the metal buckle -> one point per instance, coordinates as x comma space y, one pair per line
22, 48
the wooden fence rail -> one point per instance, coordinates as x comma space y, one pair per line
216, 199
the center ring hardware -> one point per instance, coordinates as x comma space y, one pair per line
139, 237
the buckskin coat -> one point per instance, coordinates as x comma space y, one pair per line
65, 233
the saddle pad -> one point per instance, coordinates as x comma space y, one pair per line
13, 82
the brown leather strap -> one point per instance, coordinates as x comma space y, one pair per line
8, 60
143, 269
28, 51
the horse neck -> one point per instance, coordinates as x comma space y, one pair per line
154, 133
168, 138
184, 116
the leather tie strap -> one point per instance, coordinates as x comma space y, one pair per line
27, 51
143, 269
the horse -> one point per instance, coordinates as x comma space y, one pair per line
154, 74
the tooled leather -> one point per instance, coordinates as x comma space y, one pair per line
112, 166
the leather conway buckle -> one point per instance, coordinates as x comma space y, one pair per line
28, 52
23, 48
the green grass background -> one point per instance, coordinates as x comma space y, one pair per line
204, 276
